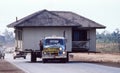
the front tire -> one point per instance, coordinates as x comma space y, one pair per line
3, 57
64, 60
14, 57
44, 60
25, 57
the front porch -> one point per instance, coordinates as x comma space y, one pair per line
80, 46
83, 40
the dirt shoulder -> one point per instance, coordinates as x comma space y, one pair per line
112, 60
6, 67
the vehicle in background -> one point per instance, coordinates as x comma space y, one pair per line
2, 53
19, 54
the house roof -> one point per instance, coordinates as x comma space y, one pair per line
55, 18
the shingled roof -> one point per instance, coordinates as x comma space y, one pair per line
55, 18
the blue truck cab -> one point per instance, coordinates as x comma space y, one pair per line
54, 48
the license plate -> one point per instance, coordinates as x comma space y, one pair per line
51, 50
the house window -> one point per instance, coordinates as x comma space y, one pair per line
79, 35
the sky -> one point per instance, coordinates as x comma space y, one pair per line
105, 12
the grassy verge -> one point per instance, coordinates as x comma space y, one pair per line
98, 58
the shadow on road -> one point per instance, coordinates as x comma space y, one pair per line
61, 62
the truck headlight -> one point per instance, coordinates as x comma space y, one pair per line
64, 52
44, 53
60, 48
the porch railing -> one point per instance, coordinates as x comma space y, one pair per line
80, 45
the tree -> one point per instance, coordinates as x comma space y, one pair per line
9, 36
117, 37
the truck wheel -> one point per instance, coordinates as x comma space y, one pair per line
44, 60
25, 57
14, 57
3, 57
64, 60
67, 59
33, 57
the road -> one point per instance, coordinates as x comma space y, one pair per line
71, 67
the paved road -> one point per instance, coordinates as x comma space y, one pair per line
39, 67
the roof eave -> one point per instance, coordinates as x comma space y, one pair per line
100, 27
10, 26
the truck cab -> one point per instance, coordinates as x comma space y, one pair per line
54, 48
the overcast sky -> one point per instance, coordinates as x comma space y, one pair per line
106, 12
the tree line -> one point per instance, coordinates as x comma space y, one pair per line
7, 38
109, 42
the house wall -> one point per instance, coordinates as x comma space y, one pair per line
92, 42
18, 42
32, 36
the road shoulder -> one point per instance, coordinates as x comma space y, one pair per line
6, 67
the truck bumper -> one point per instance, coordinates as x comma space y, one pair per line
53, 57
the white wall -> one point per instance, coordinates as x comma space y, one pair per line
92, 43
18, 43
32, 36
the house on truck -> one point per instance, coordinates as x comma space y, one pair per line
79, 32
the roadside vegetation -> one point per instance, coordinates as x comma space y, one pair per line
7, 37
108, 42
7, 40
106, 59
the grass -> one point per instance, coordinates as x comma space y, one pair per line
108, 47
109, 59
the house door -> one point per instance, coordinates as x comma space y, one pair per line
79, 35
79, 40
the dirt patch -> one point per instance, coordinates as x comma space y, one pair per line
6, 67
98, 58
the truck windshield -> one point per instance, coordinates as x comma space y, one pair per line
54, 42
